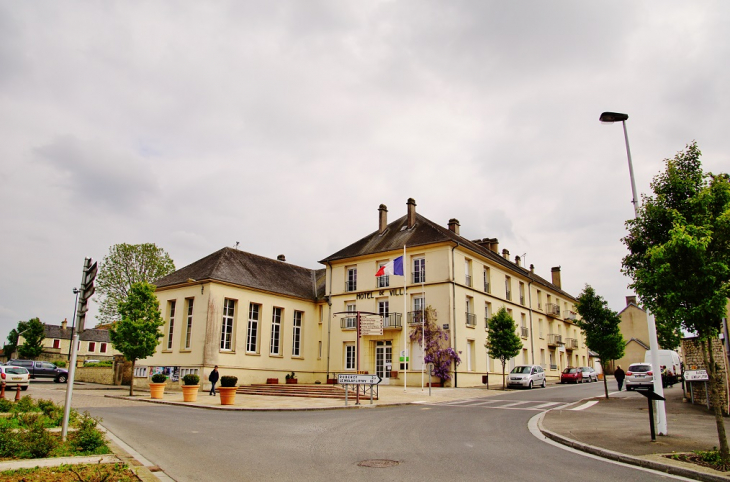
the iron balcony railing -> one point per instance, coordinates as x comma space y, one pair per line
509, 295
571, 344
471, 319
525, 331
553, 367
570, 315
392, 321
554, 340
348, 323
416, 317
467, 280
552, 309
350, 285
486, 286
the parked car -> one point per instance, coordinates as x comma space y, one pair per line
589, 374
639, 375
571, 375
14, 376
42, 369
526, 376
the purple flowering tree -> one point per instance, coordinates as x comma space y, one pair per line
437, 349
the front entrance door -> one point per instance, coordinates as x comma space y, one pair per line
383, 361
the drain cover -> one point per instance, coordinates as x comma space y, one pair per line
378, 463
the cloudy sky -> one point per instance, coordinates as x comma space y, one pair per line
284, 125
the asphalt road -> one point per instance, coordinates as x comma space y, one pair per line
484, 439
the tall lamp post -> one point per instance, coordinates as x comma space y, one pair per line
661, 414
73, 322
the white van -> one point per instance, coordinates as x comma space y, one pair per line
670, 360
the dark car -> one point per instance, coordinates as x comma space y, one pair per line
42, 369
571, 375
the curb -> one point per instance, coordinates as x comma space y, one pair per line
628, 459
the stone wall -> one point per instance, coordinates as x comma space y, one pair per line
693, 361
103, 375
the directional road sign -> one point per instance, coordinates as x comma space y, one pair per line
344, 379
696, 376
371, 325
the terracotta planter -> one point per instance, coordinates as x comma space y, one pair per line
190, 393
331, 381
291, 381
227, 394
394, 374
272, 381
157, 390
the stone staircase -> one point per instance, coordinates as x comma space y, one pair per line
297, 390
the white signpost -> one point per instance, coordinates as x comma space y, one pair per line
696, 376
371, 325
348, 379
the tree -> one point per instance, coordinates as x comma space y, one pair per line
600, 328
33, 333
137, 334
669, 335
437, 349
125, 265
12, 345
502, 340
679, 257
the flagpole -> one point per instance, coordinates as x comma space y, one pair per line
405, 322
423, 331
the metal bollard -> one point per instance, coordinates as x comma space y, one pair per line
17, 392
2, 390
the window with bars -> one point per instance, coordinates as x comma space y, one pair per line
296, 349
229, 307
252, 335
189, 325
171, 326
275, 348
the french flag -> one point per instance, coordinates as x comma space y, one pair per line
395, 267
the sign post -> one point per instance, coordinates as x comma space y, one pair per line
651, 396
352, 379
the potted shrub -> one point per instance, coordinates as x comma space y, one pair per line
291, 378
191, 385
227, 390
157, 385
272, 381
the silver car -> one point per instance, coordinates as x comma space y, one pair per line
526, 376
639, 375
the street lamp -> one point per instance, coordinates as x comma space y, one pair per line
73, 321
661, 422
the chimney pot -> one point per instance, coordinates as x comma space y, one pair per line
494, 245
631, 300
532, 268
411, 204
281, 257
556, 276
505, 253
64, 324
382, 218
454, 225
518, 261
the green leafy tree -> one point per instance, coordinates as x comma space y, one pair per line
600, 328
137, 334
33, 333
679, 257
669, 335
12, 343
125, 265
503, 342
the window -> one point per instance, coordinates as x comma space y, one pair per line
349, 356
171, 326
296, 349
319, 351
539, 299
92, 346
539, 327
467, 272
383, 281
471, 319
351, 321
275, 348
351, 281
419, 270
487, 314
487, 279
56, 343
508, 287
102, 348
189, 326
470, 352
140, 372
227, 328
419, 306
384, 308
188, 371
252, 337
522, 293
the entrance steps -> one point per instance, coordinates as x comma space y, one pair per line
297, 390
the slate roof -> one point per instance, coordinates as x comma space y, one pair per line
425, 232
252, 271
89, 334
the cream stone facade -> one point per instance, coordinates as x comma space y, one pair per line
259, 318
635, 330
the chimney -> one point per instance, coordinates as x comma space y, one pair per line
532, 268
631, 300
382, 218
494, 245
505, 253
518, 261
281, 257
64, 324
556, 276
411, 212
454, 225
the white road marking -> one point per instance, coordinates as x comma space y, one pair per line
514, 404
585, 405
545, 405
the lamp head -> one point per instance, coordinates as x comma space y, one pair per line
609, 117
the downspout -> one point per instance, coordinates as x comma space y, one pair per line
453, 312
329, 321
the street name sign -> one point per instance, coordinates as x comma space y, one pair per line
696, 376
358, 379
371, 325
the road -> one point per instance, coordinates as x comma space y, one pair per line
480, 439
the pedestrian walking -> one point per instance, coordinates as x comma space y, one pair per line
620, 375
213, 379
